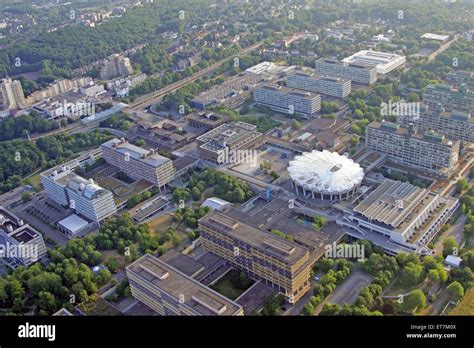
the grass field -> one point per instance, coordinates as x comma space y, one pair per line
225, 287
35, 181
466, 306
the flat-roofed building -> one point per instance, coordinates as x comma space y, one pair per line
405, 214
384, 62
228, 137
356, 72
20, 244
207, 120
85, 197
168, 291
456, 125
429, 152
460, 77
137, 162
311, 81
449, 97
278, 262
288, 100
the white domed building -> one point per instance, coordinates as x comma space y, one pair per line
325, 175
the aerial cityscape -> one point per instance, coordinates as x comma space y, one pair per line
236, 158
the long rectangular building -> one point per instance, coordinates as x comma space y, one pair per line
276, 261
429, 152
168, 291
400, 213
356, 72
449, 97
287, 100
456, 125
138, 163
383, 61
311, 81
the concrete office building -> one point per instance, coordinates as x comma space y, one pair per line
399, 214
12, 94
85, 197
456, 125
168, 291
384, 62
428, 152
356, 72
20, 244
138, 163
311, 81
451, 98
276, 261
287, 100
218, 143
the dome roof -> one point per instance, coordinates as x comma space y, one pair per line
325, 172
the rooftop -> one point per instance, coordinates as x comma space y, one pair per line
123, 147
157, 273
264, 241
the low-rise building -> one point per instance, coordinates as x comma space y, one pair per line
384, 62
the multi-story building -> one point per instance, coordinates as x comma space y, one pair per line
56, 88
451, 98
456, 125
138, 163
309, 80
384, 62
356, 72
168, 291
459, 77
12, 94
428, 152
116, 65
228, 138
20, 244
85, 197
287, 100
278, 262
400, 217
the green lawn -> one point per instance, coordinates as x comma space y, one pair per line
226, 287
35, 181
466, 306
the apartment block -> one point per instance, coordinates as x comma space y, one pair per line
276, 261
288, 101
356, 72
117, 65
85, 197
138, 163
20, 244
449, 97
311, 81
168, 291
456, 125
12, 94
429, 152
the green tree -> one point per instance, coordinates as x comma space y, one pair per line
456, 290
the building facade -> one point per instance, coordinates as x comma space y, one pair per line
313, 82
356, 72
288, 101
12, 94
428, 152
276, 261
450, 98
138, 163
